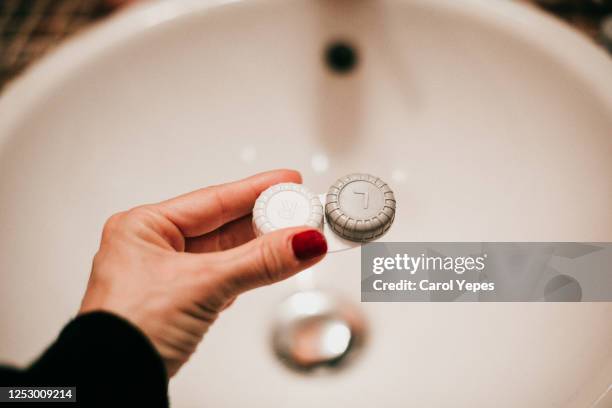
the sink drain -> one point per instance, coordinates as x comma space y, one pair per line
316, 330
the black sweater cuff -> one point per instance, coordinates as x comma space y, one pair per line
107, 359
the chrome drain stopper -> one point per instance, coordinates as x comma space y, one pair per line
316, 330
360, 207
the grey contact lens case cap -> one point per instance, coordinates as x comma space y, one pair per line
360, 207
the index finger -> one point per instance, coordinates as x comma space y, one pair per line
207, 209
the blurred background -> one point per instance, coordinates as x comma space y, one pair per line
31, 28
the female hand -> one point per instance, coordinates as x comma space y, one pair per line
171, 268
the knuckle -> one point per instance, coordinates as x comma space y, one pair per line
113, 220
112, 225
141, 217
97, 259
118, 223
141, 212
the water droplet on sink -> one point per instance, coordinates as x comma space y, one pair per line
319, 162
248, 154
398, 176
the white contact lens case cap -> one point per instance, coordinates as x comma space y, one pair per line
286, 205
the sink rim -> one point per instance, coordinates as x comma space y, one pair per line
547, 33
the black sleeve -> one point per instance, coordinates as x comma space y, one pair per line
108, 360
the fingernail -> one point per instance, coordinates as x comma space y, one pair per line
308, 244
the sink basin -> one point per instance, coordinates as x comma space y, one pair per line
490, 121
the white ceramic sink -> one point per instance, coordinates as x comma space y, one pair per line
489, 120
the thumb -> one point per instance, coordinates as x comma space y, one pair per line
270, 258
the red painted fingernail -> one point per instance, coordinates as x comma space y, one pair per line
308, 244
